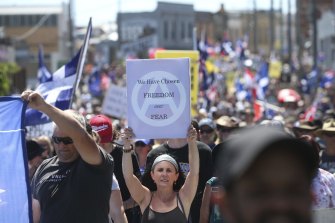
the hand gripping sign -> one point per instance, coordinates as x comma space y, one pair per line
158, 97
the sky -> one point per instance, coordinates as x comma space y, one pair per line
104, 11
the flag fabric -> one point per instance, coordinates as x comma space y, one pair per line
245, 86
241, 92
249, 79
265, 110
15, 198
328, 79
312, 79
262, 79
94, 83
43, 73
310, 112
58, 90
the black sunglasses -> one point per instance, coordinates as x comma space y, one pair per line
328, 133
224, 129
206, 131
64, 140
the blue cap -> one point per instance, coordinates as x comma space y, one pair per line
207, 121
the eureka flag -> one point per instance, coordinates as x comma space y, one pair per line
58, 90
15, 198
43, 74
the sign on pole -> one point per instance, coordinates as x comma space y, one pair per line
158, 97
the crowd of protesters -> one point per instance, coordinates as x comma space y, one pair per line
229, 103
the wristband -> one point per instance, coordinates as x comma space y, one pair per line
128, 150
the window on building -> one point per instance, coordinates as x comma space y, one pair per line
54, 21
182, 31
190, 30
166, 30
6, 20
51, 21
322, 45
48, 21
34, 19
25, 20
333, 55
22, 18
174, 30
30, 20
333, 39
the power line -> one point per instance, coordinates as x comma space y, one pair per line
33, 29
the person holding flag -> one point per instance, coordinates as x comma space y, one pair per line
75, 185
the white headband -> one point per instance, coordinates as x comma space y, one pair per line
165, 157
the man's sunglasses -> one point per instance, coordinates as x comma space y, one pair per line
64, 140
224, 129
208, 131
328, 133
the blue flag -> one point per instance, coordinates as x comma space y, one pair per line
262, 79
15, 198
43, 73
94, 83
58, 90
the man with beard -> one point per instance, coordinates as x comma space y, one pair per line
266, 176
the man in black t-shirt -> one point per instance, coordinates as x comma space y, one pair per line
74, 185
178, 149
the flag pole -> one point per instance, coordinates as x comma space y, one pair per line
81, 61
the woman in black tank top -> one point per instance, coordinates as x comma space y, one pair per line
166, 201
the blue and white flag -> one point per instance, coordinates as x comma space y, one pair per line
262, 79
58, 91
15, 198
43, 73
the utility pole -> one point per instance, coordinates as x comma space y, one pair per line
315, 34
255, 29
281, 29
299, 31
71, 39
271, 27
119, 23
289, 34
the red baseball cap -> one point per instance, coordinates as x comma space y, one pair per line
103, 126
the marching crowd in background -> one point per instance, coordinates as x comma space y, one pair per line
202, 178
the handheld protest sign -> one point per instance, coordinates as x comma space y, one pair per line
158, 97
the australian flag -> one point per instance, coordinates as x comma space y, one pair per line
58, 89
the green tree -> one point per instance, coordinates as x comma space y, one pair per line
6, 72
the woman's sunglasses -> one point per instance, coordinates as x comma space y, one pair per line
64, 140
